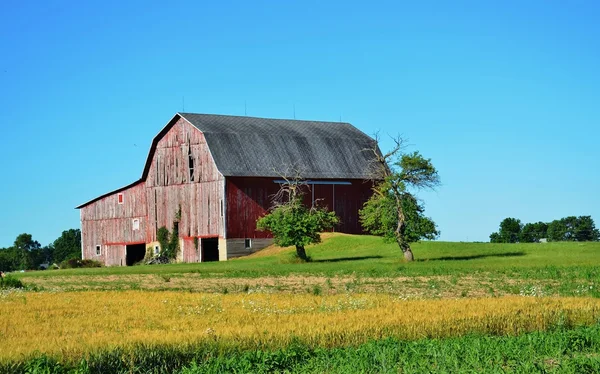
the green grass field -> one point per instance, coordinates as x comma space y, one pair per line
349, 263
369, 256
343, 266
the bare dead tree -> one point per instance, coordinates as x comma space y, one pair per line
293, 187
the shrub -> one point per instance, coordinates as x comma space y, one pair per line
75, 263
10, 282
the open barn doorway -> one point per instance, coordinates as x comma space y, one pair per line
134, 253
210, 249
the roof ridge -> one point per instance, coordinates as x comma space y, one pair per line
183, 114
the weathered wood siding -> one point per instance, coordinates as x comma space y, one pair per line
110, 224
250, 198
175, 193
172, 192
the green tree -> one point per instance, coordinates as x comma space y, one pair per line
510, 231
292, 223
26, 250
585, 229
533, 232
379, 217
393, 210
573, 228
495, 238
67, 246
9, 259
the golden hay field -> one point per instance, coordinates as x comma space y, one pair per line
69, 324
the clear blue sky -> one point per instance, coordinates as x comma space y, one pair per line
504, 96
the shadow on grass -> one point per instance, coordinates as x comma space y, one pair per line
347, 259
472, 257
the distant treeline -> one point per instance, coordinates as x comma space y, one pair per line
28, 254
579, 229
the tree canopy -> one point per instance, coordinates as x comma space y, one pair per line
28, 254
393, 211
570, 228
67, 246
294, 224
510, 231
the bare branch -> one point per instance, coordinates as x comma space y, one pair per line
293, 186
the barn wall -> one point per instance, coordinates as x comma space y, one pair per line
250, 198
237, 247
183, 185
110, 224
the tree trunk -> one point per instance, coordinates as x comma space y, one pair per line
408, 255
301, 252
405, 247
403, 244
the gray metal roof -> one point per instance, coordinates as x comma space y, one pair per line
265, 147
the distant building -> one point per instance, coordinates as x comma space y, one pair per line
213, 176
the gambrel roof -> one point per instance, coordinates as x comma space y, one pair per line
266, 147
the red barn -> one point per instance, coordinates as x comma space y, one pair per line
213, 176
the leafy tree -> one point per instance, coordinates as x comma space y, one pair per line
67, 246
393, 211
585, 229
379, 217
292, 223
26, 249
510, 231
495, 238
573, 228
533, 232
9, 259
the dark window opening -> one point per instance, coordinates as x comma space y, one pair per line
191, 164
134, 253
98, 250
208, 211
210, 249
248, 243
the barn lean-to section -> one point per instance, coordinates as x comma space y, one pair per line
113, 222
211, 177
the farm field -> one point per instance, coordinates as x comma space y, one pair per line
363, 264
462, 307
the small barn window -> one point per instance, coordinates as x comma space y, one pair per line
120, 198
98, 250
222, 210
248, 243
191, 164
136, 224
156, 249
